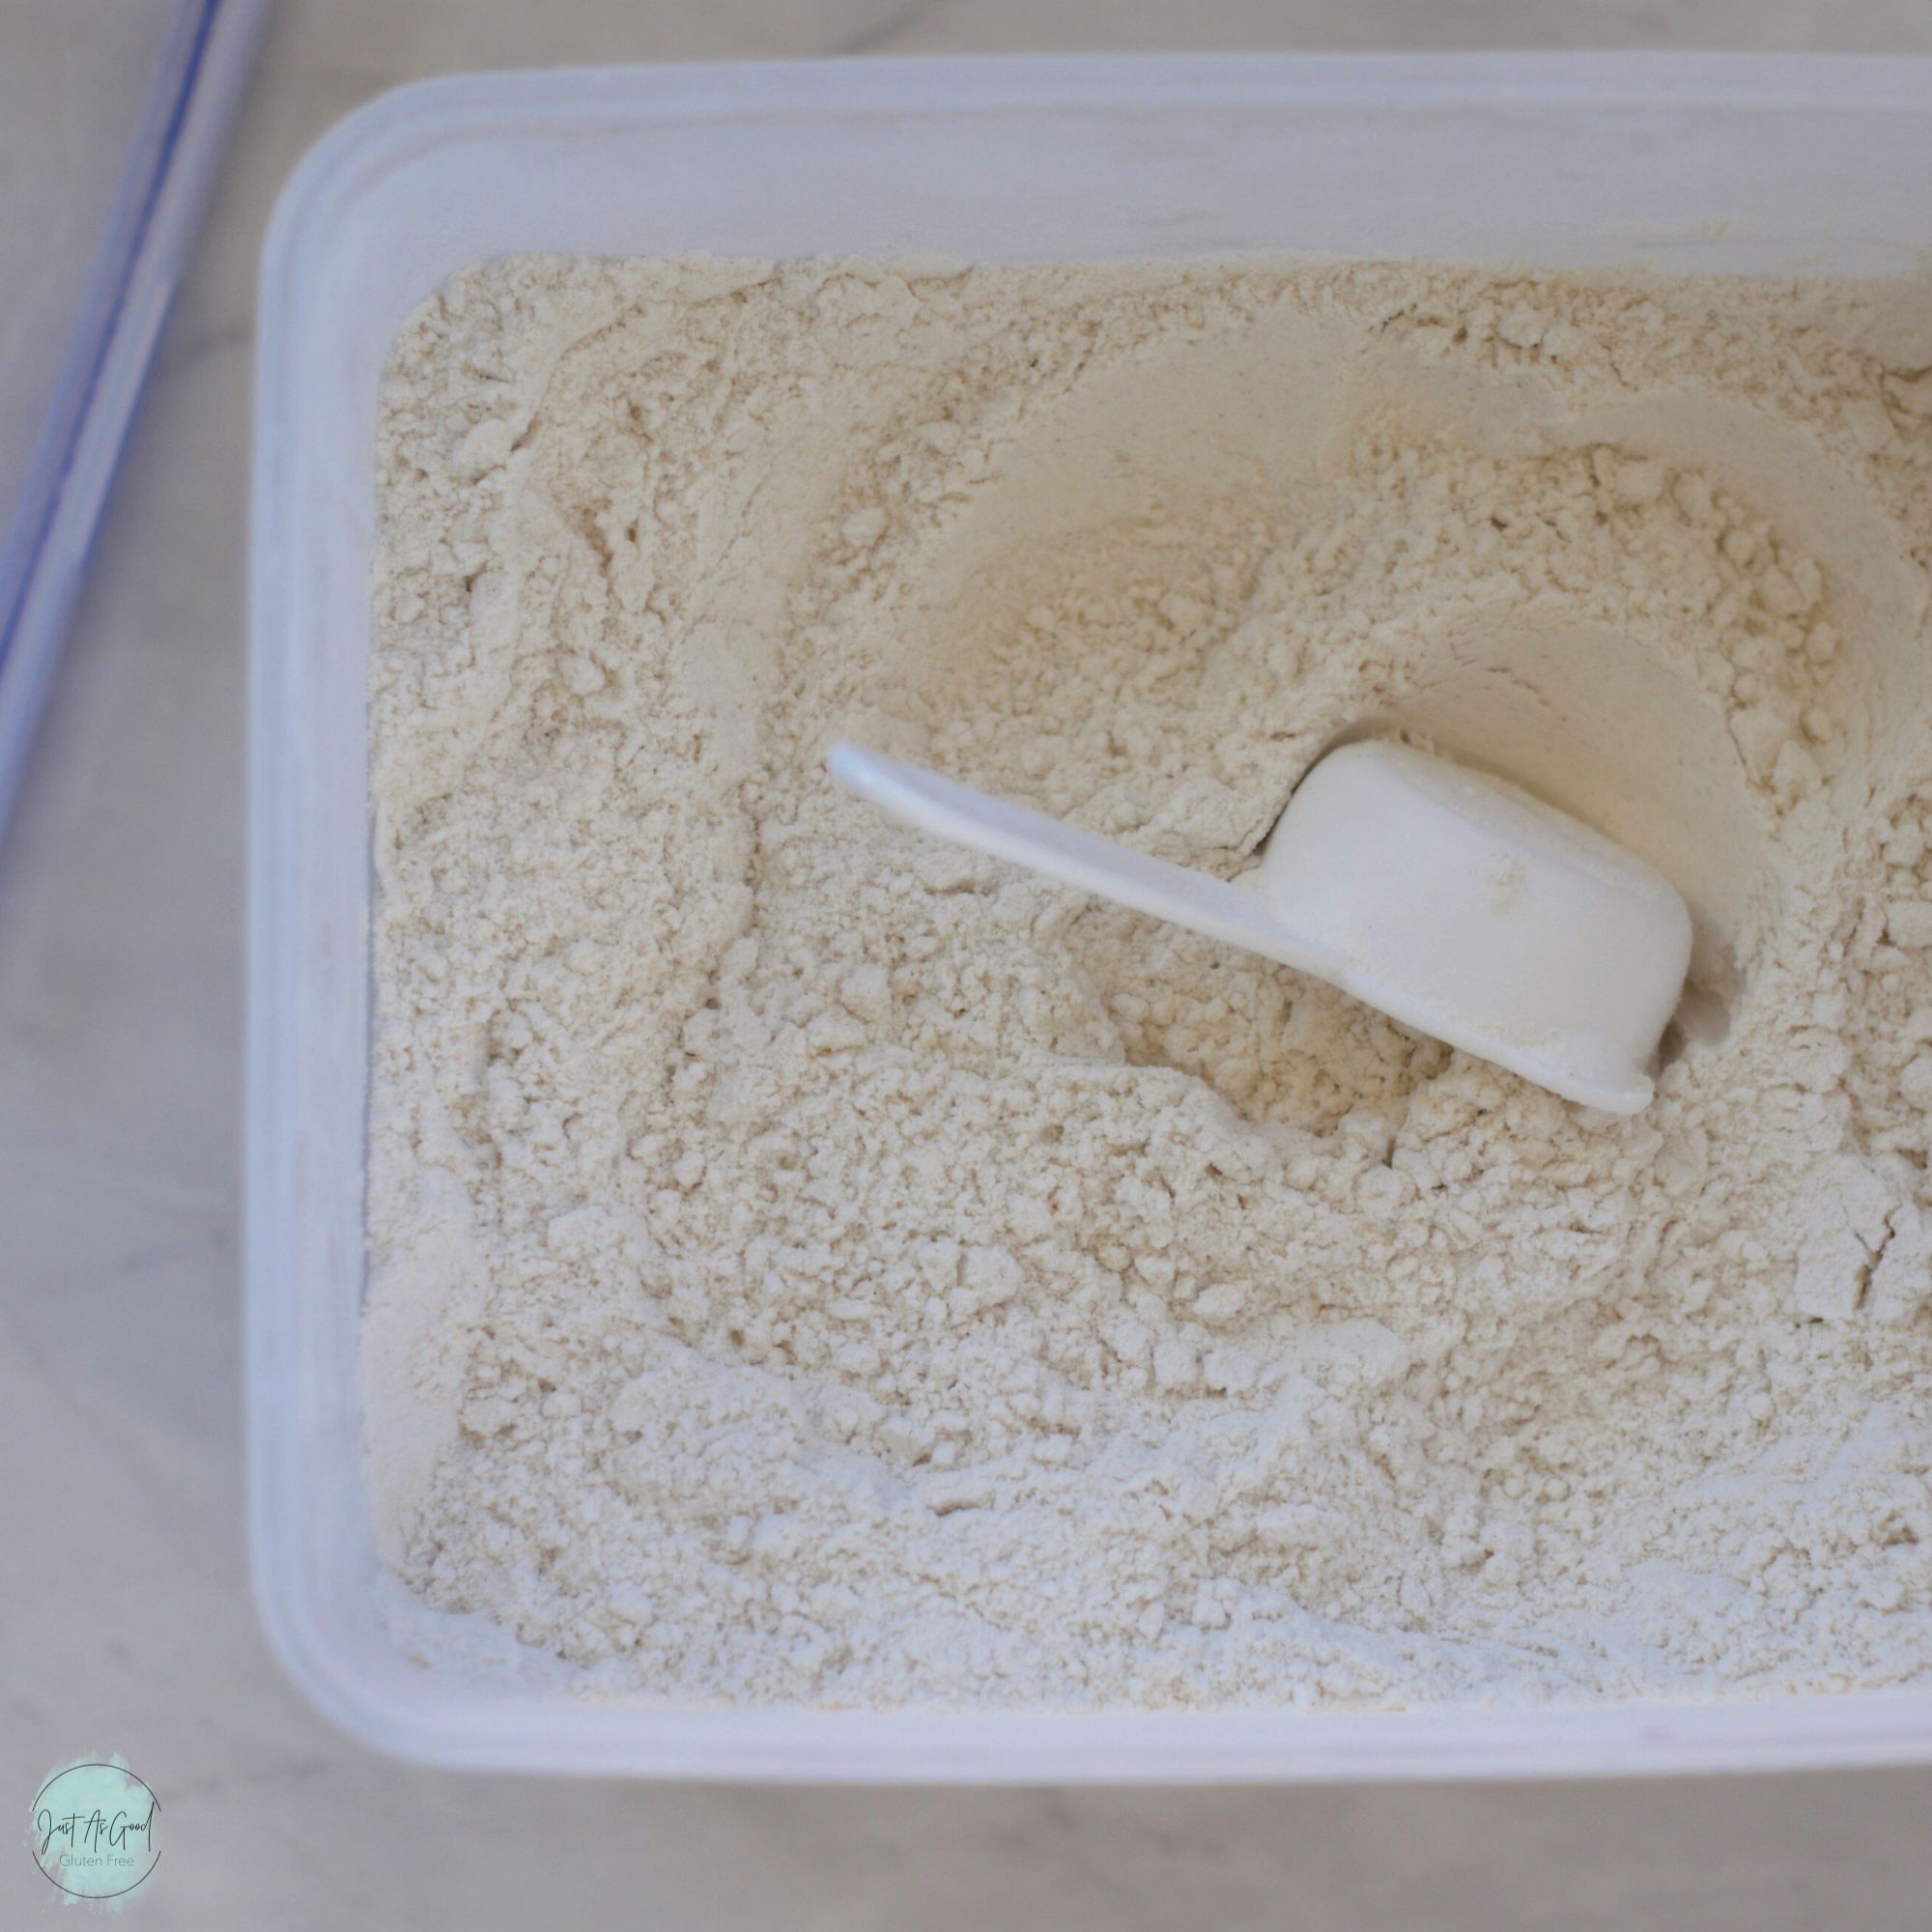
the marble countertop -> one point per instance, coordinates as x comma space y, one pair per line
125, 1617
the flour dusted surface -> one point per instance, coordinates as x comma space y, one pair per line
810, 1263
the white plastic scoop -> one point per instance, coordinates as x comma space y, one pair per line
1456, 903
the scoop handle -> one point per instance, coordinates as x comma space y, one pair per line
1103, 866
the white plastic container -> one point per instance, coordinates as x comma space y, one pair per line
1708, 162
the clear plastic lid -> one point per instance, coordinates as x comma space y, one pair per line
112, 116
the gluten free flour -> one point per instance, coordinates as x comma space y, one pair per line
810, 1263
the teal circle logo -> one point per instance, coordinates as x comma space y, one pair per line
93, 1831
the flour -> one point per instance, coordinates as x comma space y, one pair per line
812, 1263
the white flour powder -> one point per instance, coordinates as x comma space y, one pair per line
810, 1263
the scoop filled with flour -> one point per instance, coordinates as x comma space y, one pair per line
811, 1264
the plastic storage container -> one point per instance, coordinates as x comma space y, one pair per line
114, 115
1708, 163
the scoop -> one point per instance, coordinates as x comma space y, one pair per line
1451, 901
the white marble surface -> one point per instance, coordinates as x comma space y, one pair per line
125, 1618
